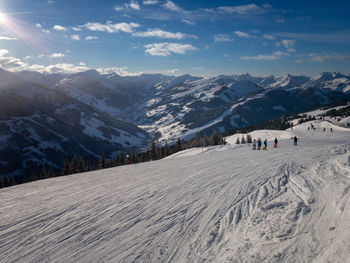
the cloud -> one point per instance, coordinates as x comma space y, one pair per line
162, 34
27, 57
3, 52
57, 55
112, 28
120, 71
288, 43
274, 56
150, 2
334, 37
242, 34
242, 9
169, 5
75, 37
119, 8
291, 50
76, 28
223, 38
188, 22
328, 57
280, 20
269, 37
7, 38
165, 49
38, 25
46, 31
91, 38
134, 5
59, 28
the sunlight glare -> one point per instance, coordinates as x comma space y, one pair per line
2, 17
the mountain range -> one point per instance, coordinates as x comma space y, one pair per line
47, 118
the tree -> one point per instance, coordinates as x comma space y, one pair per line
50, 172
243, 140
237, 141
81, 165
43, 173
66, 168
178, 145
101, 162
249, 138
74, 165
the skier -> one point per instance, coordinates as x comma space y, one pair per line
265, 145
324, 129
259, 144
295, 140
276, 142
331, 129
254, 144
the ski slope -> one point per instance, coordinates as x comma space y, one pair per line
216, 204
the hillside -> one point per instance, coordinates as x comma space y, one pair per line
216, 204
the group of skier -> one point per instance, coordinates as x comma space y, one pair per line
257, 144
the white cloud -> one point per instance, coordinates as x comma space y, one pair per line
91, 38
241, 9
291, 50
118, 8
75, 37
169, 5
76, 28
120, 71
150, 2
27, 57
288, 43
188, 22
162, 34
59, 28
112, 28
3, 52
46, 31
223, 38
280, 20
134, 5
328, 57
165, 48
269, 37
274, 56
82, 64
38, 25
57, 55
7, 38
242, 34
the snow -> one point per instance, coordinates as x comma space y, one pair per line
216, 204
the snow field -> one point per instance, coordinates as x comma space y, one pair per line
216, 204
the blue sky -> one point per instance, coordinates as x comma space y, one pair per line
175, 37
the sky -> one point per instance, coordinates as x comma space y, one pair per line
176, 37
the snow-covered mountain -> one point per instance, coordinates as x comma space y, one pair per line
216, 204
41, 126
105, 112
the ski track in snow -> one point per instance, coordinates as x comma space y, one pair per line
217, 204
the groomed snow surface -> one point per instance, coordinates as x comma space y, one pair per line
216, 204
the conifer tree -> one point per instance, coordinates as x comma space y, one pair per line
50, 172
243, 140
237, 141
81, 165
74, 165
249, 138
66, 168
101, 162
43, 173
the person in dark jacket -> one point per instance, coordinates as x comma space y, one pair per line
295, 141
254, 144
276, 142
259, 144
265, 145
